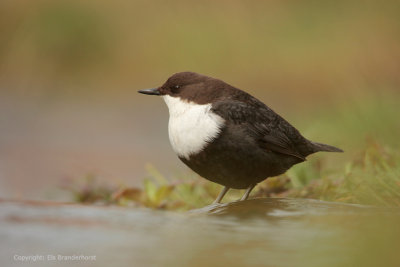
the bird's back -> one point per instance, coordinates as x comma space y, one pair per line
269, 129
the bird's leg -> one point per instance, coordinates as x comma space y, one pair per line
247, 193
221, 195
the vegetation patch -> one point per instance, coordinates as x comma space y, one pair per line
372, 177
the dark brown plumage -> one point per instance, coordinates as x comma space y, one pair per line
253, 142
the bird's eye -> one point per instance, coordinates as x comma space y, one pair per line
175, 88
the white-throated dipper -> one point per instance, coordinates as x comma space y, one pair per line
228, 136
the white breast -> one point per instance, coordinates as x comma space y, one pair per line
191, 126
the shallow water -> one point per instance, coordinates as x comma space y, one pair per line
258, 232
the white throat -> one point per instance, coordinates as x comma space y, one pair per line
191, 125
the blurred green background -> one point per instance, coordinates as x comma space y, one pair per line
69, 72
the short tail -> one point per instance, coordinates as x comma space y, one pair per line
324, 147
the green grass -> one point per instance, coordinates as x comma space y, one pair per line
372, 177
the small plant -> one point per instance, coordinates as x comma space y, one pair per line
88, 189
371, 177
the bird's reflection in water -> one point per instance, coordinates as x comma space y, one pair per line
278, 208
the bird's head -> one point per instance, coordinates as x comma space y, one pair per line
190, 86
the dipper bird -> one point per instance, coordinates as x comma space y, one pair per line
228, 136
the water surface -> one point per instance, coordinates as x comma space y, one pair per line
258, 232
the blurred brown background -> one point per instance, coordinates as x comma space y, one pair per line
69, 72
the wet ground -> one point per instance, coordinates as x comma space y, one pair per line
258, 232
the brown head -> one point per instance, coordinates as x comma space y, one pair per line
193, 87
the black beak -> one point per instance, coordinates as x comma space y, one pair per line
151, 91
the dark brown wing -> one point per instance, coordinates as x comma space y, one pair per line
269, 130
